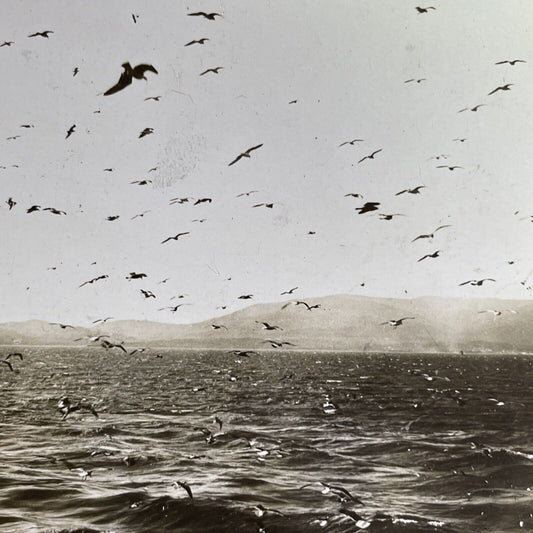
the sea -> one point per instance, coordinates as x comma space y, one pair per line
273, 441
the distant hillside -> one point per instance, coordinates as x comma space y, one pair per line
341, 323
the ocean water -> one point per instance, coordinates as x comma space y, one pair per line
419, 443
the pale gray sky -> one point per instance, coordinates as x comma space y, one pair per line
345, 62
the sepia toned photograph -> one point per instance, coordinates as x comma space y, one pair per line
267, 266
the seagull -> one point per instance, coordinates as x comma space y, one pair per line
134, 17
243, 353
510, 62
183, 485
371, 156
6, 362
145, 132
451, 168
12, 138
172, 309
84, 474
75, 71
261, 510
213, 70
290, 291
208, 16
433, 255
268, 327
506, 87
55, 211
179, 200
96, 338
27, 126
203, 201
474, 109
112, 217
353, 195
276, 344
176, 237
155, 98
62, 326
416, 190
109, 345
269, 206
308, 307
383, 216
140, 182
245, 194
147, 294
7, 43
369, 206
140, 214
41, 34
460, 140
14, 354
135, 275
398, 322
127, 76
343, 493
11, 203
431, 235
70, 131
414, 79
352, 142
245, 297
198, 41
245, 154
424, 9
102, 320
94, 279
476, 282
218, 326
65, 406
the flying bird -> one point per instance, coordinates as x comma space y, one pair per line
267, 326
398, 322
134, 17
353, 195
424, 9
450, 168
5, 362
110, 218
33, 208
476, 282
433, 255
218, 326
183, 485
176, 237
290, 291
7, 43
213, 70
414, 79
203, 201
268, 206
14, 354
371, 156
430, 235
172, 308
208, 16
179, 200
55, 211
510, 62
135, 275
102, 320
75, 71
11, 203
65, 406
245, 154
383, 216
70, 131
197, 41
245, 297
44, 34
141, 182
276, 344
145, 132
62, 326
460, 140
474, 109
110, 345
103, 276
369, 206
308, 307
245, 194
416, 190
352, 142
147, 294
156, 99
506, 87
127, 76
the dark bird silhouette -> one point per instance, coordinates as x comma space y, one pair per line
110, 345
245, 154
307, 306
112, 217
474, 109
44, 34
55, 211
14, 354
7, 43
179, 200
203, 201
197, 41
96, 338
430, 235
398, 322
102, 320
383, 216
268, 206
416, 190
103, 276
145, 132
127, 76
369, 206
175, 238
62, 326
293, 102
27, 126
139, 215
290, 291
173, 309
33, 208
75, 71
245, 297
147, 294
140, 182
424, 9
352, 142
12, 138
476, 282
156, 99
208, 16
243, 353
276, 344
371, 156
341, 492
11, 203
245, 194
183, 485
70, 131
134, 17
267, 326
419, 80
450, 168
506, 87
135, 275
460, 140
353, 195
433, 255
218, 326
213, 70
66, 407
510, 62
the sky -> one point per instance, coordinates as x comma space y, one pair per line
345, 64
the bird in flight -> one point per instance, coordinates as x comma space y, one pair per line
268, 327
135, 275
383, 216
474, 109
369, 206
424, 9
155, 98
7, 43
269, 206
109, 345
70, 131
44, 34
11, 203
245, 297
397, 322
146, 131
171, 308
198, 41
460, 140
430, 235
103, 276
276, 344
450, 168
102, 320
213, 70
433, 255
218, 326
290, 291
506, 87
14, 354
33, 208
353, 195
176, 237
208, 16
495, 312
511, 62
184, 485
371, 156
147, 294
127, 76
415, 79
352, 142
62, 326
245, 154
66, 407
203, 201
134, 17
10, 366
476, 282
245, 194
307, 306
75, 71
416, 190
179, 200
110, 218
141, 182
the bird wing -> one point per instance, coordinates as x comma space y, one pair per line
8, 364
239, 157
441, 227
185, 486
401, 192
139, 70
376, 152
466, 282
420, 237
361, 160
495, 90
253, 148
125, 79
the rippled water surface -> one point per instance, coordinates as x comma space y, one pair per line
427, 443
